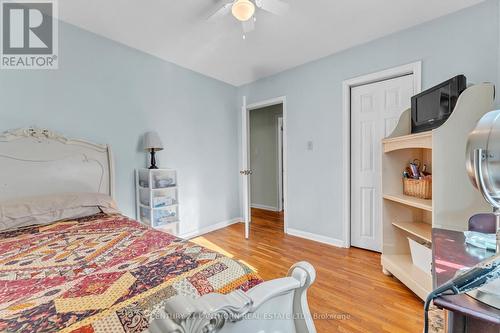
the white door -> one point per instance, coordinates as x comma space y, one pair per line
245, 168
375, 111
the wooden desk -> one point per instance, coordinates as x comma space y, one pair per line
465, 314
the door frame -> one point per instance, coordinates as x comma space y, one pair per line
279, 125
414, 69
263, 104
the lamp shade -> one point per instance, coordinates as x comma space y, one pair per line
243, 10
152, 142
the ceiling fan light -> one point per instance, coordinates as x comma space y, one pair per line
243, 10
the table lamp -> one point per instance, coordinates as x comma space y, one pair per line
152, 143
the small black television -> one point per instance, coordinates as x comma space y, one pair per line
431, 108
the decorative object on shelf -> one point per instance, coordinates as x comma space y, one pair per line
417, 182
157, 199
418, 188
152, 143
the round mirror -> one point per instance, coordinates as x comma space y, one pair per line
483, 157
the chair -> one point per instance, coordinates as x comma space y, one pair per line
483, 222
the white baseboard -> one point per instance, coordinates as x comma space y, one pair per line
264, 207
213, 227
315, 237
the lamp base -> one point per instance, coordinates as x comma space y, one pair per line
153, 160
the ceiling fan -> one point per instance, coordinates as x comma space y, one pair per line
244, 11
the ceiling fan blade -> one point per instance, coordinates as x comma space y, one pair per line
223, 11
277, 7
248, 25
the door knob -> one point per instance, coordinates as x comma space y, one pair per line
246, 172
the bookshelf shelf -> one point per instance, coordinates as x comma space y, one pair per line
421, 230
410, 201
419, 140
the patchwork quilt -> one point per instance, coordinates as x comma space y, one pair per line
103, 273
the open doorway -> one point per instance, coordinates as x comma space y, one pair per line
266, 151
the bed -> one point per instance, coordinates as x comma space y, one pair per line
99, 271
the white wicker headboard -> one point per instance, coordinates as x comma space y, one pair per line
37, 161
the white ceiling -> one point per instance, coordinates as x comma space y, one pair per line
177, 30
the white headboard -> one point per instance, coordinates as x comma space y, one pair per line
37, 161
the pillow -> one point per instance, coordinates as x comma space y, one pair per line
49, 208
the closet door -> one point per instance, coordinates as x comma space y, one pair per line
375, 111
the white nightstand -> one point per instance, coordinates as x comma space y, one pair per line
157, 199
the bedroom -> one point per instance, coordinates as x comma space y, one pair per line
124, 69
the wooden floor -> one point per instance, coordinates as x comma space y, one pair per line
349, 281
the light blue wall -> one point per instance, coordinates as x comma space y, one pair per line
108, 93
463, 42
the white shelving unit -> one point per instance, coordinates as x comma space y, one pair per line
157, 199
454, 199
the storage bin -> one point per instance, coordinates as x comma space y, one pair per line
166, 215
157, 178
161, 216
419, 188
161, 197
164, 178
421, 256
171, 228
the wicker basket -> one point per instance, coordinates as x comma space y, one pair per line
420, 188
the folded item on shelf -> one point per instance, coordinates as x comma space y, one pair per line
165, 213
159, 202
166, 182
481, 240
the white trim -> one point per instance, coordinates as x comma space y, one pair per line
279, 125
264, 207
391, 73
263, 104
408, 69
213, 227
317, 238
266, 103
